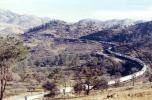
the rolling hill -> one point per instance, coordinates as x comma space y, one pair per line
18, 23
58, 28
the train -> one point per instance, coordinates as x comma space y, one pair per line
131, 76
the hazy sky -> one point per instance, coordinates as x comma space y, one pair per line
73, 10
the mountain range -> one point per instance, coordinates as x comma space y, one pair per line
121, 31
11, 22
58, 28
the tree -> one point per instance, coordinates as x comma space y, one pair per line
95, 83
89, 78
11, 51
150, 78
100, 84
39, 77
78, 88
117, 83
133, 80
50, 86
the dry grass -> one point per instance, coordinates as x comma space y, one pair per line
139, 92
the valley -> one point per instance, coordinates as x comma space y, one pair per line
90, 59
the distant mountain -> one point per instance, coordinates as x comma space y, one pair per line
110, 23
57, 28
11, 21
121, 23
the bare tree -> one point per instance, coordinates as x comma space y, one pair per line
51, 86
150, 78
133, 80
89, 79
88, 85
4, 77
78, 88
11, 51
100, 83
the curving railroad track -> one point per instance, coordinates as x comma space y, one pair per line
131, 76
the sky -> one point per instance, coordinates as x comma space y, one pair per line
74, 10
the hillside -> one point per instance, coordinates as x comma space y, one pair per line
58, 28
135, 40
10, 20
138, 92
132, 33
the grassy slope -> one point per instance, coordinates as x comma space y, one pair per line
138, 92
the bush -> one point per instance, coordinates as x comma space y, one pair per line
101, 84
16, 77
78, 88
50, 86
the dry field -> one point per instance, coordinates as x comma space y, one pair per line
138, 92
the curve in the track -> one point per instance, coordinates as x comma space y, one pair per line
131, 76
